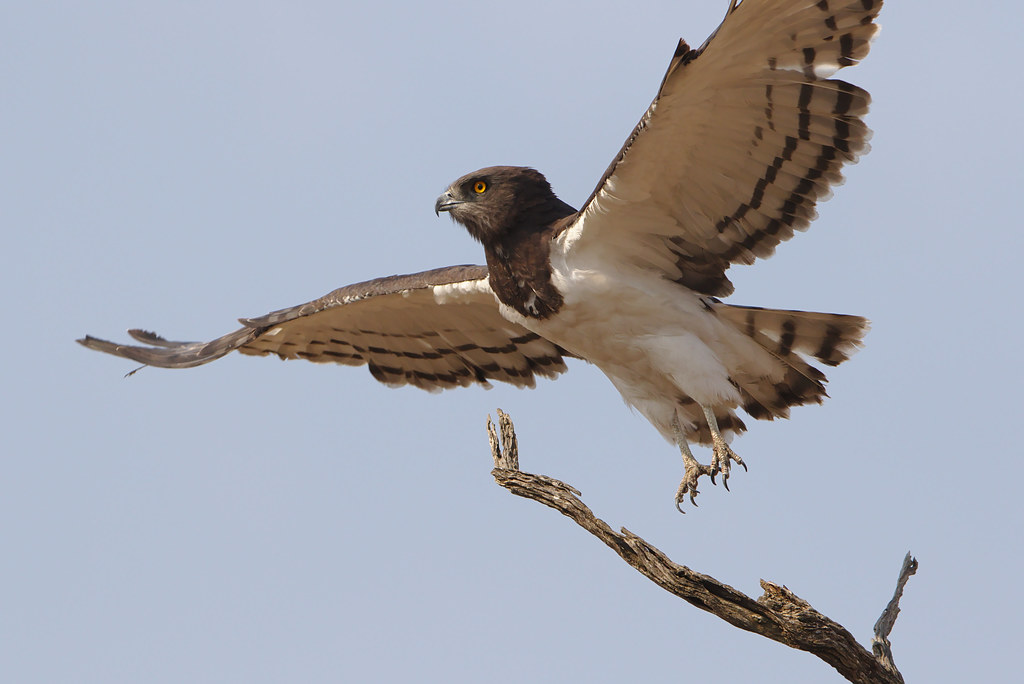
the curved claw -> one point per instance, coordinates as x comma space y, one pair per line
721, 462
680, 495
688, 485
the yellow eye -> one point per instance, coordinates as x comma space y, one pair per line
479, 187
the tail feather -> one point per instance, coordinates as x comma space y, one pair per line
830, 338
789, 336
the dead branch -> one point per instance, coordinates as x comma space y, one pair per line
778, 614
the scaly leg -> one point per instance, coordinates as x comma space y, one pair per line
693, 469
723, 453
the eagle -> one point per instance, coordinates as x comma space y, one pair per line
747, 133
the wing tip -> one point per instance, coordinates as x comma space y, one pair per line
97, 344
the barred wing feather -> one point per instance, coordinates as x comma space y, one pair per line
434, 330
745, 136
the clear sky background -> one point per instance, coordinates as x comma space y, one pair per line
174, 166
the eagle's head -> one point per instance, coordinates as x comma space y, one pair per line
496, 201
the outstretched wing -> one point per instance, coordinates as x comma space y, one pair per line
745, 136
434, 330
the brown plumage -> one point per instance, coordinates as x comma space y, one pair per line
513, 213
433, 330
746, 134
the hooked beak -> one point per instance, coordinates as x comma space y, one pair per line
446, 202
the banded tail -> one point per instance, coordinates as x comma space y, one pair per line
789, 336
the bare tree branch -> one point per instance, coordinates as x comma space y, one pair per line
880, 645
778, 614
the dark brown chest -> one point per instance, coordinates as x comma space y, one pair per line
520, 274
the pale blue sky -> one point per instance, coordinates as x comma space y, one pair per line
176, 165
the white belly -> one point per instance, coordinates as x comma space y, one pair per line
655, 340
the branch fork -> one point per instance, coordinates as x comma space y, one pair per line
777, 614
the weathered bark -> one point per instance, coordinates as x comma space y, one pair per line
778, 614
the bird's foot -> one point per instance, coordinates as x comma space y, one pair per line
688, 486
721, 461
